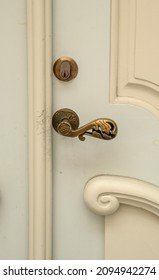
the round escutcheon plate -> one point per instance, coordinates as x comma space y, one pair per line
71, 67
65, 114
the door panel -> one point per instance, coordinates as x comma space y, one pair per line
134, 53
132, 233
131, 210
81, 30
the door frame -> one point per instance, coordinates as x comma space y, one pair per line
39, 45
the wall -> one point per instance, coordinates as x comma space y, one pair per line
13, 133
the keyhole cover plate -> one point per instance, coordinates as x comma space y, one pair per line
73, 68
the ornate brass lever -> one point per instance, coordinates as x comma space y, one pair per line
66, 123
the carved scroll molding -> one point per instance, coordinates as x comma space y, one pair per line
39, 29
134, 61
104, 194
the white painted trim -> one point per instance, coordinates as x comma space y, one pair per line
114, 45
103, 194
39, 28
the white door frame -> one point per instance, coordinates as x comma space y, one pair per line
39, 31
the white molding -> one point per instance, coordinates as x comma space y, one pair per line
126, 86
39, 29
103, 194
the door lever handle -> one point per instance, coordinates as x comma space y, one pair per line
66, 123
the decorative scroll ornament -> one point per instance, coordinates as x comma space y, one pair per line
66, 122
104, 194
107, 204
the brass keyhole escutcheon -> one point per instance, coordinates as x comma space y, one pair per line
65, 69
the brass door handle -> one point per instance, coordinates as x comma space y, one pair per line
66, 123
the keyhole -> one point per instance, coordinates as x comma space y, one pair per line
65, 74
65, 70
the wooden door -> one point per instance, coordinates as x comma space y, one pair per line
115, 46
82, 31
